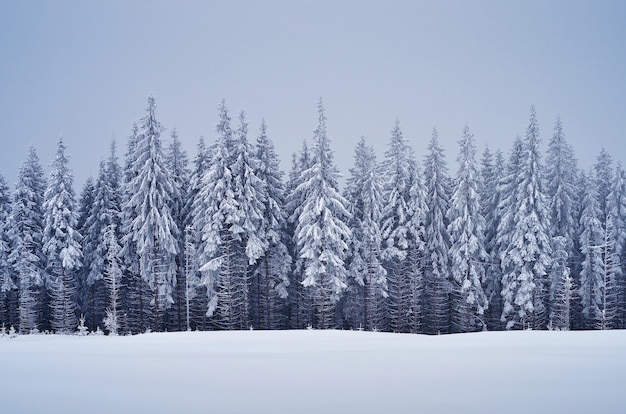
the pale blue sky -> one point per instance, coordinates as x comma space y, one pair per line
85, 70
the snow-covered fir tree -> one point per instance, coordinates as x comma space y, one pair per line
105, 212
250, 197
616, 206
367, 281
92, 287
492, 171
416, 260
61, 244
526, 255
396, 233
600, 266
607, 314
195, 292
215, 211
590, 244
562, 285
561, 175
8, 287
177, 165
271, 277
85, 204
437, 275
322, 233
467, 252
136, 296
300, 301
112, 270
26, 233
230, 203
153, 229
603, 179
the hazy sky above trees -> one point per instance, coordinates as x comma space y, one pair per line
84, 70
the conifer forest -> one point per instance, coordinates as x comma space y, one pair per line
225, 240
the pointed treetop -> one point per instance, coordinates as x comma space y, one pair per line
321, 127
151, 106
532, 132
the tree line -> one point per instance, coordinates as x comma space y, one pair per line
227, 242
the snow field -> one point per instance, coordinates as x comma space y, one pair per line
314, 372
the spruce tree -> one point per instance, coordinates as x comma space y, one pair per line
561, 174
492, 172
26, 232
616, 206
272, 273
153, 229
437, 279
590, 244
526, 254
396, 239
85, 207
177, 165
61, 244
367, 282
231, 206
136, 295
105, 213
562, 285
195, 293
112, 279
321, 232
300, 300
8, 287
467, 252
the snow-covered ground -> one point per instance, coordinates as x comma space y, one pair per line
315, 372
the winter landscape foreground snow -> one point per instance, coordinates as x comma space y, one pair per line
314, 372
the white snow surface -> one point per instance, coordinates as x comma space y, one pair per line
314, 372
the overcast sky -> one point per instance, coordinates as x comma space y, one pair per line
84, 70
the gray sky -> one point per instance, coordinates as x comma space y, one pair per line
84, 70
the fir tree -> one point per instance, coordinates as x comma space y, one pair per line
213, 206
177, 165
437, 239
416, 252
300, 301
590, 244
321, 232
560, 177
26, 232
195, 292
85, 206
467, 252
492, 172
272, 274
367, 282
562, 291
136, 296
561, 172
526, 256
8, 287
603, 179
112, 278
395, 228
153, 228
61, 244
231, 201
105, 212
616, 206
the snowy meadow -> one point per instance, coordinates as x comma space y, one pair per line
312, 371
